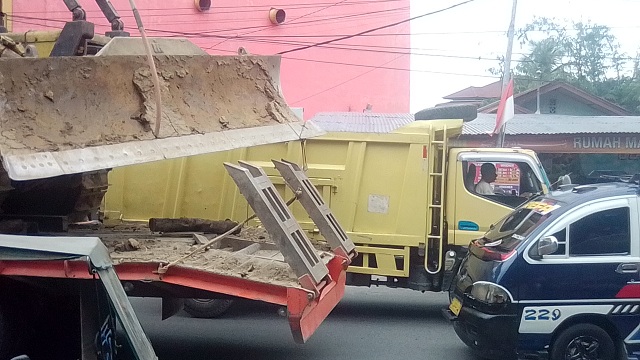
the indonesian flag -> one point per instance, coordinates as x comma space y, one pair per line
506, 109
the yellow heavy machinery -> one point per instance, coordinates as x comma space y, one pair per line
74, 105
71, 117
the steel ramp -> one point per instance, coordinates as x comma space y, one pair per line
315, 206
277, 219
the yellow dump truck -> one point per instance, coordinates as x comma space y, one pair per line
405, 198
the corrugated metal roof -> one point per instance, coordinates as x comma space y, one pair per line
361, 122
549, 124
521, 124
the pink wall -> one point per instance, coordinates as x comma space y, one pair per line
316, 79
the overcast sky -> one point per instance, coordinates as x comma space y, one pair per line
478, 29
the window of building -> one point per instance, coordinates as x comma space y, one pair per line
552, 106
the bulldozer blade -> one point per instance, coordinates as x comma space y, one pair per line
66, 115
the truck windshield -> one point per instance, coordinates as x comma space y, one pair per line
509, 232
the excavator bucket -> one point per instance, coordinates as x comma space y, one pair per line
77, 114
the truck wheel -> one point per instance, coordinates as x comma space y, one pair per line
583, 341
207, 308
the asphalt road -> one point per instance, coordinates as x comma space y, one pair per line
376, 323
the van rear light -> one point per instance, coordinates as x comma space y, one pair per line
489, 253
490, 293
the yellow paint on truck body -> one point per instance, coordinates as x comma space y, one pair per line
376, 185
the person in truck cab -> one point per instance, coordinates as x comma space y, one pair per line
489, 175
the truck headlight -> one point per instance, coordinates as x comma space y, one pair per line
490, 293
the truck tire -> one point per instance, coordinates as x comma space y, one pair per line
583, 341
207, 308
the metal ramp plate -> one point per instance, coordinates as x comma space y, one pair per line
277, 219
315, 206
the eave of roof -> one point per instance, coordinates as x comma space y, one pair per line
613, 109
551, 124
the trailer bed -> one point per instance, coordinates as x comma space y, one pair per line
262, 275
227, 257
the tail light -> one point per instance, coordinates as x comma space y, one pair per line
490, 253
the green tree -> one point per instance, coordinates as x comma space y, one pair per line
584, 54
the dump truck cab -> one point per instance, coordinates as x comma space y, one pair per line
520, 176
414, 219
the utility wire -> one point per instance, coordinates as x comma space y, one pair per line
346, 81
382, 12
350, 47
347, 47
323, 20
237, 8
369, 14
300, 17
376, 28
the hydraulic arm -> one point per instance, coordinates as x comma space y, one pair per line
117, 25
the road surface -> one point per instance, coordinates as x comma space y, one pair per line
376, 323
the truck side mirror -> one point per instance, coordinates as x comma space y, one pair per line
545, 246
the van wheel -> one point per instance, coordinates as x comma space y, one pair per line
583, 341
207, 308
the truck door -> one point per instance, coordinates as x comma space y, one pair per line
469, 212
596, 258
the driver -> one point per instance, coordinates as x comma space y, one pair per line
488, 173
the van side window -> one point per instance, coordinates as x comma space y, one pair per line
606, 232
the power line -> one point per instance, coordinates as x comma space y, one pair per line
354, 47
322, 20
300, 17
377, 28
214, 9
389, 68
346, 81
347, 47
384, 67
319, 19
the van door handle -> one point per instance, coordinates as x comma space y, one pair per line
628, 268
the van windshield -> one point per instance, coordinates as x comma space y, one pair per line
509, 232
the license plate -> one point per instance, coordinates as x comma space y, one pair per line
455, 306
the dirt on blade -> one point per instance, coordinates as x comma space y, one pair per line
53, 104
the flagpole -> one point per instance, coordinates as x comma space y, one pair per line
507, 65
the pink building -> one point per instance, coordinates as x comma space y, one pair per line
346, 75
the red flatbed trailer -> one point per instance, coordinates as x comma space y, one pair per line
305, 310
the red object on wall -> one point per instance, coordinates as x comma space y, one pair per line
316, 79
